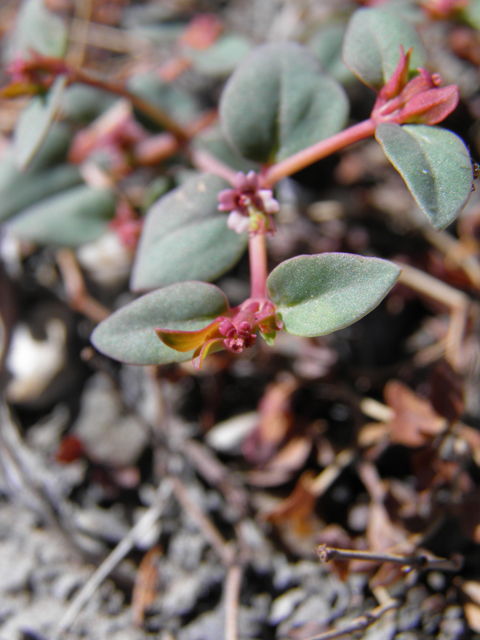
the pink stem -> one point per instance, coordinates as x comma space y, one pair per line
206, 162
318, 151
258, 265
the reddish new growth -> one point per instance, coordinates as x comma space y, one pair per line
443, 9
420, 100
251, 208
234, 332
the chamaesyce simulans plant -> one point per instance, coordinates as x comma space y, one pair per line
279, 110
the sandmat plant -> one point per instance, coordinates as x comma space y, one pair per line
278, 110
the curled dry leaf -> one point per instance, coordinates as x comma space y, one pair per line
280, 468
297, 508
415, 422
275, 421
146, 584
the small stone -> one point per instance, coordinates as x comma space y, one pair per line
17, 562
409, 617
284, 605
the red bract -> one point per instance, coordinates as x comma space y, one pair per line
420, 100
234, 332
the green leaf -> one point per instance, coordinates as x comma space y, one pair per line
471, 13
27, 189
372, 42
316, 295
35, 122
220, 58
37, 29
326, 46
185, 237
278, 102
180, 105
129, 335
82, 104
69, 218
435, 164
408, 10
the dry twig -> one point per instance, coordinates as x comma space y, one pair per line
111, 561
420, 561
233, 584
225, 552
456, 301
360, 623
78, 296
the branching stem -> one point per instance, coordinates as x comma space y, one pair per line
148, 109
318, 151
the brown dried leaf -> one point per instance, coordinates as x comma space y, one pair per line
146, 583
298, 506
382, 533
280, 469
275, 421
415, 422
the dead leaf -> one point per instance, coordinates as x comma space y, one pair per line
297, 508
415, 422
275, 421
382, 533
281, 467
146, 583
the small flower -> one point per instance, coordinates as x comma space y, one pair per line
251, 208
421, 100
234, 332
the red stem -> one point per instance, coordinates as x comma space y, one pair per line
318, 151
258, 266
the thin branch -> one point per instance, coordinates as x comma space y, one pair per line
360, 623
456, 252
205, 525
327, 477
79, 298
233, 584
205, 161
456, 301
79, 32
421, 561
112, 560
